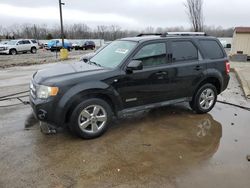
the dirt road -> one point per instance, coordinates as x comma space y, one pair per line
41, 57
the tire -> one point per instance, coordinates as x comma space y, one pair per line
85, 114
33, 50
204, 99
13, 52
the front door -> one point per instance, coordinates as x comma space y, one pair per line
20, 46
148, 85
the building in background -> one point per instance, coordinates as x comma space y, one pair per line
241, 43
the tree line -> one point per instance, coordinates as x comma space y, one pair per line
83, 31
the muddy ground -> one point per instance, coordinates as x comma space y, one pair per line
166, 147
41, 57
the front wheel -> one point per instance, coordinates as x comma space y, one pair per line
204, 99
90, 119
13, 52
33, 50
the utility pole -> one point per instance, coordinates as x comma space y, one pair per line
61, 20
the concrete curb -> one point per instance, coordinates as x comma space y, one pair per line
243, 82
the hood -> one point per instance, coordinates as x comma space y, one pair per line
5, 45
87, 56
62, 71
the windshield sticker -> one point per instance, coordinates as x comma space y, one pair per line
121, 51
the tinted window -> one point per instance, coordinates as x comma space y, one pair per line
184, 50
34, 41
26, 42
91, 43
212, 49
152, 54
20, 42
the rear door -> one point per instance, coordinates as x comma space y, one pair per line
186, 67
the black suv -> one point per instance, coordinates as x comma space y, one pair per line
85, 45
131, 74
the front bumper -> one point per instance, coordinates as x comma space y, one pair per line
4, 51
41, 109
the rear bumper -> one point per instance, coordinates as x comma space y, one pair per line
226, 81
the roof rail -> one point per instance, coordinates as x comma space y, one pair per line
188, 33
148, 34
173, 34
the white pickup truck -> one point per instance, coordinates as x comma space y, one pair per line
22, 45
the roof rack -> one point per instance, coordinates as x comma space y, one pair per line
173, 34
148, 34
188, 33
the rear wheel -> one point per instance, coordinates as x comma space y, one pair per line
13, 52
204, 99
90, 119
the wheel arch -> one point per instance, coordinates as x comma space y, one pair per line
212, 80
80, 92
78, 98
12, 49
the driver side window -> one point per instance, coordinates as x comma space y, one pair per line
20, 42
152, 54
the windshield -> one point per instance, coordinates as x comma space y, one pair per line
12, 42
113, 54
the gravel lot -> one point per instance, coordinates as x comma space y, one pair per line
42, 56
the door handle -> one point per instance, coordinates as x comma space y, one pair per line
161, 73
198, 67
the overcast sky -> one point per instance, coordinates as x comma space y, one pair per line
132, 14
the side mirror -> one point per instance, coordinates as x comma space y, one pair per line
135, 65
85, 60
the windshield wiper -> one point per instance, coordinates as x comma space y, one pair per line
97, 64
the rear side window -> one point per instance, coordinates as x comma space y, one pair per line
184, 51
212, 49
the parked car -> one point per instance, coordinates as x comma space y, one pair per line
88, 56
22, 45
129, 75
56, 45
85, 45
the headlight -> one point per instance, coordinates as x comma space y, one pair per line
43, 92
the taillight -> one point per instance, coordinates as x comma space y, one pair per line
227, 64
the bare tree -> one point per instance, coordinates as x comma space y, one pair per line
195, 14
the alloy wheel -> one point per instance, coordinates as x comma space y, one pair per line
92, 119
207, 98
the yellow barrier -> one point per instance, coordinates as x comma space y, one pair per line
64, 54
